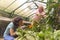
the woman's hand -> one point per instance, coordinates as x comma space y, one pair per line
23, 27
12, 33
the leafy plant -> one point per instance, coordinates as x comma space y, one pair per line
44, 29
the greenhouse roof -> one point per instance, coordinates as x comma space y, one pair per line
24, 8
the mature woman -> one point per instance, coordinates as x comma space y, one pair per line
11, 28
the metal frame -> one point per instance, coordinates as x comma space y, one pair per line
35, 4
19, 6
28, 6
12, 12
40, 1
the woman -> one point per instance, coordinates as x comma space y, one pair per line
11, 28
39, 14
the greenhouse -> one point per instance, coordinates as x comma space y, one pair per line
29, 19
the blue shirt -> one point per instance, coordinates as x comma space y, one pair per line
11, 25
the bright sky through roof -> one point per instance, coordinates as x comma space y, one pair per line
21, 1
5, 3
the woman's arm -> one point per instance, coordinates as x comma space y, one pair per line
12, 33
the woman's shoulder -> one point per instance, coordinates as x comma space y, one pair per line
10, 24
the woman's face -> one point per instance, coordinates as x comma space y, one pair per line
40, 9
20, 22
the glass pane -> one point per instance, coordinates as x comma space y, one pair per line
22, 8
15, 5
5, 3
25, 10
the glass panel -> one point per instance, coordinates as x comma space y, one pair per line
23, 7
5, 3
45, 0
29, 13
31, 17
16, 4
43, 4
25, 10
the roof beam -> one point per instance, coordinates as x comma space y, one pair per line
39, 1
35, 4
12, 13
